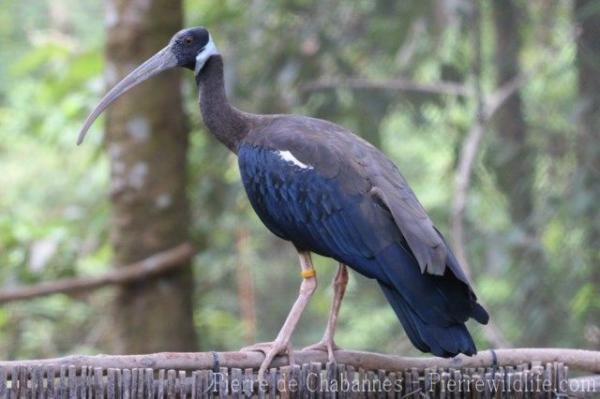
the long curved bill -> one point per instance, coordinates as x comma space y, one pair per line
159, 62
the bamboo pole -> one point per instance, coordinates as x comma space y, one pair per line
575, 359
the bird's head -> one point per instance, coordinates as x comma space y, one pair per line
189, 48
192, 48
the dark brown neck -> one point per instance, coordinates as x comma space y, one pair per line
228, 124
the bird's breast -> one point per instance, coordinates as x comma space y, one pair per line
286, 193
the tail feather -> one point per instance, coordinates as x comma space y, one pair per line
443, 341
480, 314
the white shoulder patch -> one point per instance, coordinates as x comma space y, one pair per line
289, 157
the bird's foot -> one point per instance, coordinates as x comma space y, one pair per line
270, 350
325, 345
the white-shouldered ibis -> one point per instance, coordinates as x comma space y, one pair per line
330, 192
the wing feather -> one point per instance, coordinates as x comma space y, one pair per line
361, 168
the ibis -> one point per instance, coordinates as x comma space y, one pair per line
328, 191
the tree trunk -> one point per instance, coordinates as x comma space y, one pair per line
512, 158
147, 140
587, 15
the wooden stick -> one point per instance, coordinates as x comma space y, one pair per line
448, 88
575, 359
152, 266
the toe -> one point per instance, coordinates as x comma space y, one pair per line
319, 346
324, 346
263, 347
330, 355
270, 350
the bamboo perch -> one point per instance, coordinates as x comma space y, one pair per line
152, 266
575, 359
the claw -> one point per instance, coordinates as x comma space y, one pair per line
270, 350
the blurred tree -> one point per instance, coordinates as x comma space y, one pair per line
513, 159
147, 141
587, 15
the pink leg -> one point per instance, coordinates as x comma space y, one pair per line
282, 341
327, 343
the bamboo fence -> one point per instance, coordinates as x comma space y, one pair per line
508, 373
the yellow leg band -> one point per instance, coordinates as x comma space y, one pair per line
308, 273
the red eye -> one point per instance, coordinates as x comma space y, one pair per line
188, 40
